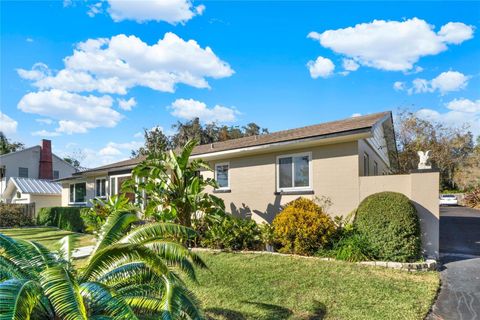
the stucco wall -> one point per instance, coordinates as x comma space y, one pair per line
253, 181
45, 201
422, 189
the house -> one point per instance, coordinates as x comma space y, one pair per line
41, 193
26, 176
258, 174
345, 161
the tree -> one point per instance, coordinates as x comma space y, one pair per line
450, 147
155, 141
173, 185
6, 146
132, 272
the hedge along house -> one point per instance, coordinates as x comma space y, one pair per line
259, 174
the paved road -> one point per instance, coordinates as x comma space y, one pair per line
459, 296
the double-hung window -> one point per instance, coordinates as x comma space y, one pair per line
100, 187
366, 164
222, 176
78, 192
294, 172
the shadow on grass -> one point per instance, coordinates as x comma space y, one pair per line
272, 312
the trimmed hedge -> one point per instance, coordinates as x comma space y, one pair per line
390, 223
302, 227
12, 215
66, 218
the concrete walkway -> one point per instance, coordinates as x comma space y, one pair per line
459, 296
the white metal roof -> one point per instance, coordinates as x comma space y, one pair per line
36, 186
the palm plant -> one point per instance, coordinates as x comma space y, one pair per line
173, 186
133, 273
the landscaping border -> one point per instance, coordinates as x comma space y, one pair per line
427, 265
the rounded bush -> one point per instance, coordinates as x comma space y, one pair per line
302, 227
390, 224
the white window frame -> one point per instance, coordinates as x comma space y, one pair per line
228, 174
106, 187
115, 177
74, 200
310, 172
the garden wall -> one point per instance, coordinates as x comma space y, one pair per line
422, 189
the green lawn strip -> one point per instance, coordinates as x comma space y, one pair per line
48, 236
252, 286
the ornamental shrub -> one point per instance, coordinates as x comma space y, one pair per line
352, 247
302, 227
66, 218
472, 198
12, 215
390, 224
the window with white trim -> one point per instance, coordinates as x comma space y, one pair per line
100, 187
366, 164
78, 192
294, 172
222, 175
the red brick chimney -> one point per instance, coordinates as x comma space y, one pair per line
46, 168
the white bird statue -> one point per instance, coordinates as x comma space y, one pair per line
422, 164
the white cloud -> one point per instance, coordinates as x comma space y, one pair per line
190, 109
460, 112
399, 86
45, 133
44, 121
171, 11
94, 9
76, 113
444, 83
392, 45
356, 115
139, 134
29, 39
350, 65
464, 105
127, 105
322, 67
7, 124
117, 64
115, 149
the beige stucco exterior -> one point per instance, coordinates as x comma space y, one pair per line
40, 201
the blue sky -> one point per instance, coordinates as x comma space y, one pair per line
91, 75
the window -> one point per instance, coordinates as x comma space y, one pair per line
113, 186
78, 192
293, 172
100, 188
56, 174
23, 172
375, 168
366, 164
222, 175
116, 183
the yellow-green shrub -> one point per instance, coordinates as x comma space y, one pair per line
302, 227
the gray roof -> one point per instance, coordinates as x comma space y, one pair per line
36, 186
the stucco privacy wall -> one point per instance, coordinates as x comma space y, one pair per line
253, 181
422, 189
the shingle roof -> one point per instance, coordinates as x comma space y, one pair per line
327, 128
322, 129
36, 186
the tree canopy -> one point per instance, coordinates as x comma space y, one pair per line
7, 146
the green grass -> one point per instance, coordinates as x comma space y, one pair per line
48, 236
252, 286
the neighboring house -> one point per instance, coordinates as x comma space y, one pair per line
37, 165
42, 193
258, 174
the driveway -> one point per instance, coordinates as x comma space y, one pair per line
459, 296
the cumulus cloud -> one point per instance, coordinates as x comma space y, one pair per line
7, 124
392, 45
171, 11
44, 121
76, 113
321, 67
190, 109
45, 133
356, 115
444, 83
114, 65
127, 105
115, 149
460, 112
350, 65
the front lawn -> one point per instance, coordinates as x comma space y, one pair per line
254, 286
48, 236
